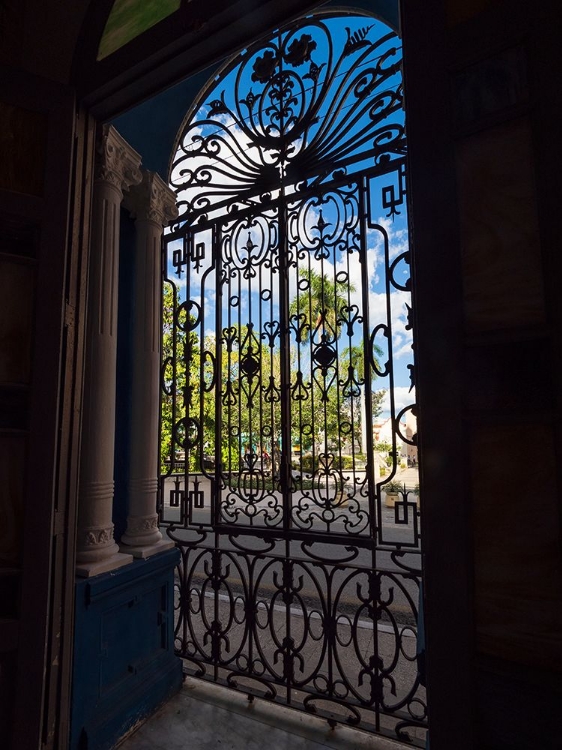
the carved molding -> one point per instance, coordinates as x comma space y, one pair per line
141, 524
143, 486
96, 536
152, 200
117, 163
95, 491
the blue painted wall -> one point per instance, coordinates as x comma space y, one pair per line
152, 126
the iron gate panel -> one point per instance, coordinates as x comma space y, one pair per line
294, 584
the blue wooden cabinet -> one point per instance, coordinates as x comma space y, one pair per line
124, 661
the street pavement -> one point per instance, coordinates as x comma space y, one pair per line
409, 477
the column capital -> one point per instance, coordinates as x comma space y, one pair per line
117, 163
152, 200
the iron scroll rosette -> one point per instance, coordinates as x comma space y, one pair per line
298, 108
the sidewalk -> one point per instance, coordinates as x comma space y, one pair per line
409, 477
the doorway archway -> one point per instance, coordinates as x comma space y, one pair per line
286, 311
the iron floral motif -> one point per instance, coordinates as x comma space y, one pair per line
300, 107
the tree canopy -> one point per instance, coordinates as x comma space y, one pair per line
327, 401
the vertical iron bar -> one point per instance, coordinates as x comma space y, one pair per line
374, 502
285, 343
216, 483
365, 283
161, 478
187, 504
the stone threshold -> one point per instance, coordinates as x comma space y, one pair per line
204, 716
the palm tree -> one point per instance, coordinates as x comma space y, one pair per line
318, 306
314, 314
353, 358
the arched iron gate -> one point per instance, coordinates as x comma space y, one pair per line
286, 281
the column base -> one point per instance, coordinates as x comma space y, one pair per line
87, 570
148, 550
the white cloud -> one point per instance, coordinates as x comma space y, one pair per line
180, 282
404, 351
403, 397
397, 236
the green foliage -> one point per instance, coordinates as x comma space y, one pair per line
181, 346
393, 487
320, 305
306, 464
250, 386
383, 447
377, 397
316, 310
345, 462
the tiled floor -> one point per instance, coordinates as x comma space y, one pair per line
206, 717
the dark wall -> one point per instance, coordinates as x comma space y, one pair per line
485, 166
40, 347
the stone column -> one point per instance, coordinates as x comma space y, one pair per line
117, 168
153, 205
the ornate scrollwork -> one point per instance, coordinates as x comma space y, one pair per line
298, 107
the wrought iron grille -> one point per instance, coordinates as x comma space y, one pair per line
286, 292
